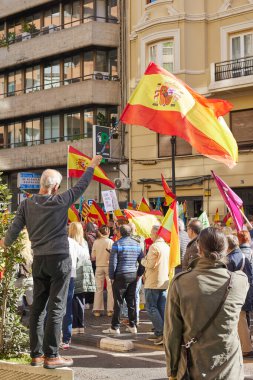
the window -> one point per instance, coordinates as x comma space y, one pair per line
71, 126
101, 11
32, 79
1, 30
15, 83
113, 62
88, 122
72, 14
72, 69
164, 146
101, 62
88, 10
15, 26
88, 64
1, 136
32, 132
51, 129
241, 123
34, 21
162, 54
112, 10
52, 16
242, 46
52, 75
1, 86
14, 134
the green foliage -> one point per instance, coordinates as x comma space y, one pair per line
13, 335
5, 41
29, 28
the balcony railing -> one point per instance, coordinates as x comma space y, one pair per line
13, 38
53, 84
234, 68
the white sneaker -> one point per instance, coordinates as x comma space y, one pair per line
132, 330
111, 331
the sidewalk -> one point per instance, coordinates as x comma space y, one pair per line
93, 332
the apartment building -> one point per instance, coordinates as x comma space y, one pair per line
59, 75
209, 45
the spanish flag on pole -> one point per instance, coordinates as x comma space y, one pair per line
97, 215
164, 104
77, 164
216, 218
143, 206
170, 233
169, 196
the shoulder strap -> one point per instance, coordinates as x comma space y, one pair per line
210, 321
243, 262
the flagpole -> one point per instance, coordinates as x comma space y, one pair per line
173, 169
68, 169
246, 219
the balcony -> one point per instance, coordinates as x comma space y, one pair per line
54, 40
86, 92
233, 74
10, 7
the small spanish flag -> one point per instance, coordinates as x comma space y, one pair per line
169, 195
78, 163
143, 206
118, 214
97, 215
216, 218
73, 214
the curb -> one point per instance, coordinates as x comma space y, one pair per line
104, 343
112, 344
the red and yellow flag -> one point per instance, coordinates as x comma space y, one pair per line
170, 233
143, 221
164, 104
118, 214
97, 215
228, 219
216, 217
169, 195
143, 206
77, 165
85, 210
73, 215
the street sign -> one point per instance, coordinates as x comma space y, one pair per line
28, 180
100, 138
89, 201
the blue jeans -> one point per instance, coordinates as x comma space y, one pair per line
68, 317
155, 306
124, 311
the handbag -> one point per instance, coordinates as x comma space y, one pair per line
187, 346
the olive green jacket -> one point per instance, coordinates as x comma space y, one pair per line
193, 298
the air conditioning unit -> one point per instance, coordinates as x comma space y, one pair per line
122, 183
49, 29
100, 75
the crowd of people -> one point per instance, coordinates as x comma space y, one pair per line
203, 317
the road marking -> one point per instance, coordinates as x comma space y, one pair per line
121, 355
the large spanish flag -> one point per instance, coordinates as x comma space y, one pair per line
78, 163
164, 104
143, 221
170, 233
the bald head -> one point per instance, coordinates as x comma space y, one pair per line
49, 179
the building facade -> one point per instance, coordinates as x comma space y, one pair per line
209, 45
59, 75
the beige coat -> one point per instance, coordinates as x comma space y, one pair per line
193, 298
99, 251
156, 265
